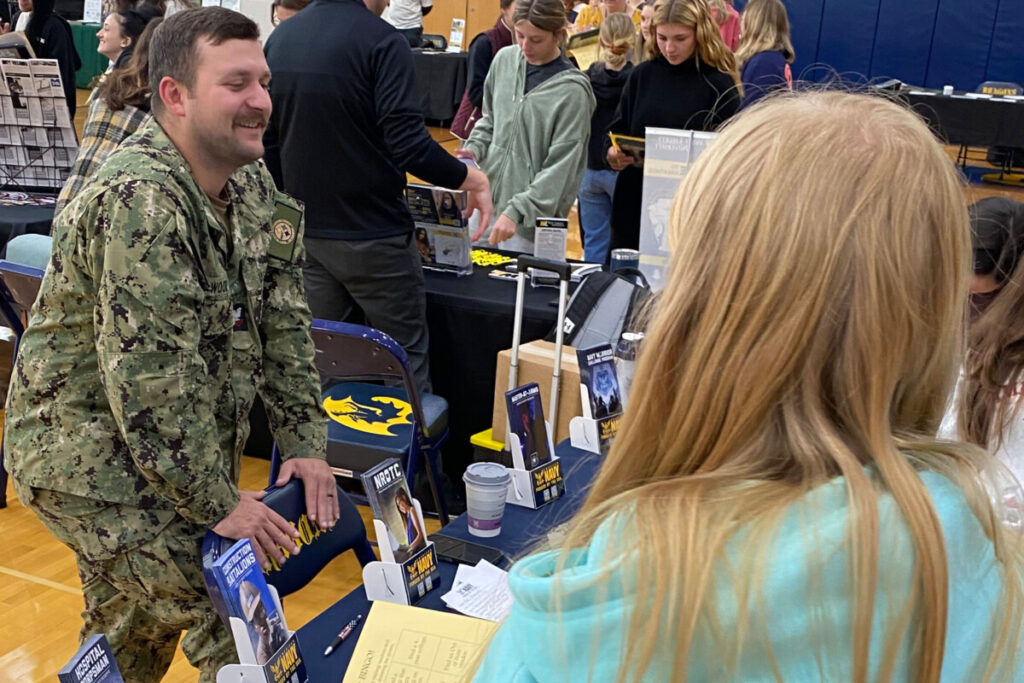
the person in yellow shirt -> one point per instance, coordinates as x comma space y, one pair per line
591, 16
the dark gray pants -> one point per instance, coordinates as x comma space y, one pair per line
380, 278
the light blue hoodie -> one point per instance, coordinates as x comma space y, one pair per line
532, 646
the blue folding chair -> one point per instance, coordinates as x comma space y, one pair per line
19, 286
369, 422
318, 547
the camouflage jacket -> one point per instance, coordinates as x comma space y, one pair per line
152, 332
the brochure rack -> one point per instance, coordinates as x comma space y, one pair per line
533, 488
583, 429
405, 582
281, 667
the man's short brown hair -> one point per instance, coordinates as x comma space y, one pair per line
175, 45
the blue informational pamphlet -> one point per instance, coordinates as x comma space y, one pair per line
93, 663
526, 420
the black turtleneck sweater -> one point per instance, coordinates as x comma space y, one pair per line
657, 94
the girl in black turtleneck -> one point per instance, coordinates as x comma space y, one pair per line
689, 83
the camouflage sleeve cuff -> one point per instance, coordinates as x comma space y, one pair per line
304, 440
212, 502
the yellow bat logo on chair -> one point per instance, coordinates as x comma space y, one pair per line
370, 419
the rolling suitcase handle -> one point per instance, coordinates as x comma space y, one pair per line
564, 271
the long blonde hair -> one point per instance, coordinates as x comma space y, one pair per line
616, 39
695, 14
809, 331
765, 29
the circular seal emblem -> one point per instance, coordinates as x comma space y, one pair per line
283, 232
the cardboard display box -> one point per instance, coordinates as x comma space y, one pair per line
536, 363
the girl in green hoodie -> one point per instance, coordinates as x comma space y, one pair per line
532, 139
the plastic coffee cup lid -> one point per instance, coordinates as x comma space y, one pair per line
486, 474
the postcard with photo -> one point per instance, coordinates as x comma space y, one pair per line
526, 420
597, 374
391, 502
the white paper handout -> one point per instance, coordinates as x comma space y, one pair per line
480, 591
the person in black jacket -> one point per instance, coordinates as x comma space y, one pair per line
50, 37
607, 79
346, 127
688, 84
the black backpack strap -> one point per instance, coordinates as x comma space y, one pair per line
582, 303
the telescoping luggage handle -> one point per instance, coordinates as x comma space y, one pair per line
564, 271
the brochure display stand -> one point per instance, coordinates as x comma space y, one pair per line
533, 488
583, 429
37, 139
404, 582
283, 666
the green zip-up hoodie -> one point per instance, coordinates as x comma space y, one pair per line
532, 147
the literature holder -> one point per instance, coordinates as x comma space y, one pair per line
583, 429
400, 582
248, 671
533, 488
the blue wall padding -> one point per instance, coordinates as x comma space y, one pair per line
903, 40
921, 42
963, 35
848, 35
804, 29
1006, 57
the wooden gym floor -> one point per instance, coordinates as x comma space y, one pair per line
40, 595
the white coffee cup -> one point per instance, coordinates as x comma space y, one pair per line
947, 90
486, 486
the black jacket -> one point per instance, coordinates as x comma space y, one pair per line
346, 124
607, 86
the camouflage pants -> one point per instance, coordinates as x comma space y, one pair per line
142, 598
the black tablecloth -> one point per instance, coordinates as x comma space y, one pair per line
961, 120
440, 83
19, 220
520, 528
470, 321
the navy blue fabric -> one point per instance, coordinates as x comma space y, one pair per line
804, 29
848, 36
1006, 58
960, 44
903, 40
521, 528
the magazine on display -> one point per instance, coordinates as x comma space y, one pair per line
526, 420
37, 139
441, 230
597, 374
391, 502
93, 663
238, 588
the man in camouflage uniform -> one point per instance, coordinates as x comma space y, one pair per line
174, 291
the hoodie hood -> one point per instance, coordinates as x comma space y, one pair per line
608, 84
587, 636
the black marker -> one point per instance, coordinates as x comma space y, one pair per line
345, 633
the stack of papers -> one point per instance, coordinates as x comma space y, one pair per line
480, 591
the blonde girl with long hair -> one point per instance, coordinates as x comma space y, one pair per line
728, 20
765, 52
689, 82
607, 79
775, 506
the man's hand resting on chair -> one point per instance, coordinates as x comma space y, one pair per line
317, 479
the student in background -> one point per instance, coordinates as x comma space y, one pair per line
643, 35
118, 35
407, 17
607, 79
728, 20
481, 54
765, 52
689, 82
793, 516
532, 139
117, 108
987, 410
